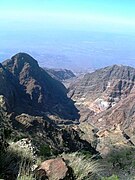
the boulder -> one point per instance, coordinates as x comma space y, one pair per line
53, 169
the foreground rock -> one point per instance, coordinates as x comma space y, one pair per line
53, 169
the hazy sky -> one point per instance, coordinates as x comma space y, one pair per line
69, 33
104, 15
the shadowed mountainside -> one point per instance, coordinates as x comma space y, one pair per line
41, 93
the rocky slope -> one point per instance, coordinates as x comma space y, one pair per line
106, 99
103, 89
122, 115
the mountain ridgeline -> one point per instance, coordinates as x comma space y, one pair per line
60, 74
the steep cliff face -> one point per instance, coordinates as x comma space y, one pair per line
44, 94
12, 91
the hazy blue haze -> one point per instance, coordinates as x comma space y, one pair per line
75, 34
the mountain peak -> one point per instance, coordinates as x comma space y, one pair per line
22, 55
17, 63
24, 58
20, 58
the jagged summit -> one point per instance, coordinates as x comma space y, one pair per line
18, 61
24, 57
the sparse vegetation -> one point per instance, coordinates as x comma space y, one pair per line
122, 158
25, 173
113, 177
83, 167
45, 151
14, 159
26, 177
86, 154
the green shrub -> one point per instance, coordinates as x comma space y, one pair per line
19, 136
113, 177
45, 151
122, 158
26, 177
86, 154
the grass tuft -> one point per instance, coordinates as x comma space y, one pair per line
83, 168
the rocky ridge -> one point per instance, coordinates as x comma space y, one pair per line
60, 74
